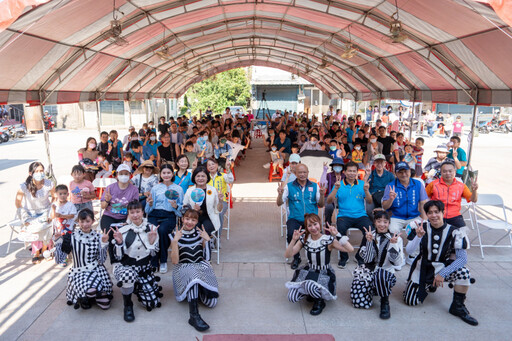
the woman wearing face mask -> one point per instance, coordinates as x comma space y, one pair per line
211, 206
163, 206
114, 201
373, 148
329, 179
88, 157
33, 208
150, 148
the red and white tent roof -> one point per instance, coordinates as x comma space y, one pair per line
56, 50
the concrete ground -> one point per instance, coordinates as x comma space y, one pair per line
252, 272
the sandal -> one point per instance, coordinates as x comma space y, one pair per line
35, 260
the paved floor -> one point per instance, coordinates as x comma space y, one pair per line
251, 275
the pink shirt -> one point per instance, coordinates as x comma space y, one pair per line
457, 127
76, 190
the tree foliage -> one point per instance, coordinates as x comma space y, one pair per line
222, 90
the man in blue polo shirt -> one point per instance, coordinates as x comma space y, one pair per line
351, 195
405, 198
302, 197
378, 180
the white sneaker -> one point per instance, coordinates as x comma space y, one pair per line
163, 268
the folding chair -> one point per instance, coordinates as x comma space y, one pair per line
227, 215
100, 185
216, 240
15, 226
492, 200
284, 218
469, 208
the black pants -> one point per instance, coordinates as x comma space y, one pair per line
345, 223
105, 223
207, 223
166, 222
457, 221
291, 226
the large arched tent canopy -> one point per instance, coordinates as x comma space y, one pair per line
456, 50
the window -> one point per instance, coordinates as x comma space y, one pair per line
112, 113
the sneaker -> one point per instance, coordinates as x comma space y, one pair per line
342, 264
163, 268
63, 264
409, 260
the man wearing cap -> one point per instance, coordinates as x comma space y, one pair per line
450, 192
404, 197
302, 197
378, 179
289, 172
126, 139
433, 166
330, 179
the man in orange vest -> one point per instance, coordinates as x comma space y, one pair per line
451, 191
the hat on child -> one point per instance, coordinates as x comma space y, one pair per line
294, 158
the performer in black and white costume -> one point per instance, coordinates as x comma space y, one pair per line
317, 279
88, 279
442, 258
135, 242
193, 277
381, 252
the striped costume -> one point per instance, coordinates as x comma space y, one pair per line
317, 279
193, 277
442, 252
134, 272
377, 275
88, 278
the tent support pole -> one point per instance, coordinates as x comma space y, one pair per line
50, 173
98, 116
411, 119
473, 127
129, 112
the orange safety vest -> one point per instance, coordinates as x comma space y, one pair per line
451, 195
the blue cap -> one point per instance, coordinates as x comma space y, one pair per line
402, 166
337, 161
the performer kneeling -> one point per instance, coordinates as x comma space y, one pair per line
193, 277
381, 252
442, 258
135, 242
317, 279
88, 279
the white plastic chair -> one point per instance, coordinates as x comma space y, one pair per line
216, 240
469, 208
102, 183
15, 226
227, 215
493, 200
284, 218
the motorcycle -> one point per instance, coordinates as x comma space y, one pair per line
502, 126
484, 127
48, 123
4, 137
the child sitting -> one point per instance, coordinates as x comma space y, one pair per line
191, 155
276, 158
358, 155
82, 191
381, 252
130, 161
193, 277
88, 279
409, 157
335, 151
63, 214
136, 151
104, 165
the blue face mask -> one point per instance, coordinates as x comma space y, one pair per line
337, 169
332, 148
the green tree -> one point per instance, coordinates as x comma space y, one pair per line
222, 90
